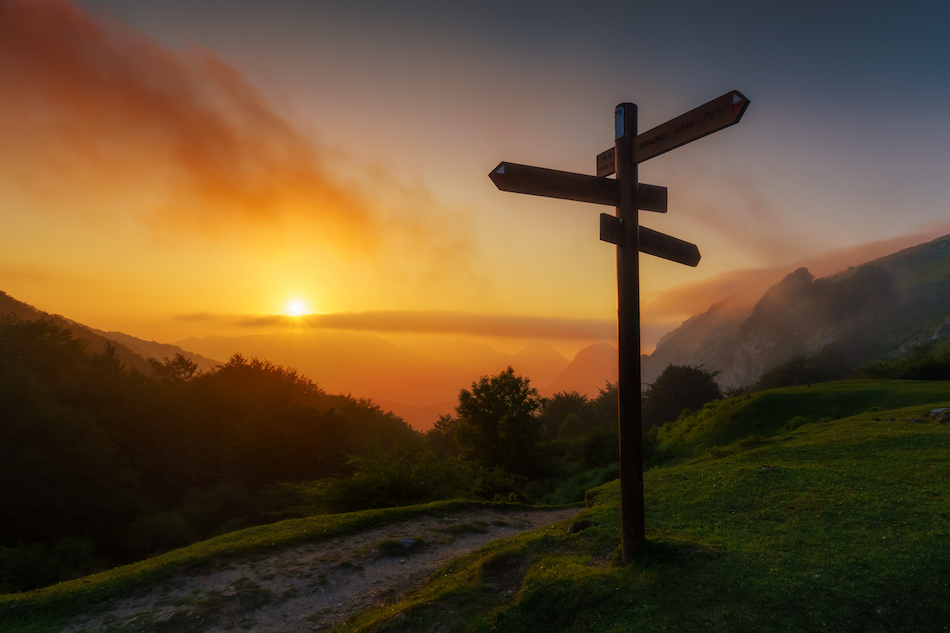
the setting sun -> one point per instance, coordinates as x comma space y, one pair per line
295, 307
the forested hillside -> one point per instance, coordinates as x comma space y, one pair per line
100, 464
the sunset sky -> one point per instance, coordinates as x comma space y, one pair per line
173, 169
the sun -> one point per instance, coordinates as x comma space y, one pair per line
296, 307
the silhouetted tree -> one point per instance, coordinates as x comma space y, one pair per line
499, 423
175, 371
678, 387
441, 438
562, 406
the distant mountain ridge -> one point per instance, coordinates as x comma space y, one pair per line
868, 311
158, 351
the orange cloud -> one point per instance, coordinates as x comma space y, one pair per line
434, 322
95, 118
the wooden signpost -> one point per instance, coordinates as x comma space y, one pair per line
628, 195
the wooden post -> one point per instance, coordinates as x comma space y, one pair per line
632, 525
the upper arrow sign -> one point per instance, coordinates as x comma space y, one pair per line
703, 121
551, 183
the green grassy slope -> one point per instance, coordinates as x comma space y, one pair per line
838, 526
766, 413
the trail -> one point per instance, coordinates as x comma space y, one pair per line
316, 586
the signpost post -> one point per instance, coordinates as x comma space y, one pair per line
628, 195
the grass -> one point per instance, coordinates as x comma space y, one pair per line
767, 413
837, 526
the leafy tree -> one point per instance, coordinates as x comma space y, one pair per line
558, 409
175, 371
500, 425
678, 387
606, 406
441, 438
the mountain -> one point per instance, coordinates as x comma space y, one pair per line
592, 368
95, 341
863, 313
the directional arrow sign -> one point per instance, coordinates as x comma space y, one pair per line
651, 198
606, 162
651, 242
717, 114
551, 183
538, 181
668, 247
704, 120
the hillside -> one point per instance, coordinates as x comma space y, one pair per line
95, 341
866, 313
836, 525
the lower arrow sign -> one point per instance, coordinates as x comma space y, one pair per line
668, 247
651, 242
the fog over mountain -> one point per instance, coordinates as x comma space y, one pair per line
867, 312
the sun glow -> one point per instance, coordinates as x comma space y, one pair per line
296, 307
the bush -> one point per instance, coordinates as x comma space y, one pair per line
575, 488
677, 388
398, 478
152, 534
26, 567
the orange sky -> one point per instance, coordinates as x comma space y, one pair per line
168, 179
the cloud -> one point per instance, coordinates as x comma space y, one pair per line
98, 119
431, 322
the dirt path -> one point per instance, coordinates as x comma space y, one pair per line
313, 587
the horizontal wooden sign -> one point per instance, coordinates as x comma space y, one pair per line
650, 242
708, 118
606, 162
668, 247
551, 183
538, 181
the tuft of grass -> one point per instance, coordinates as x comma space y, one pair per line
477, 527
400, 547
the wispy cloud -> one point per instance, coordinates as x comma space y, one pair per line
430, 322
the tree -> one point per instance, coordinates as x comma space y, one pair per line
561, 406
678, 387
499, 425
176, 371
